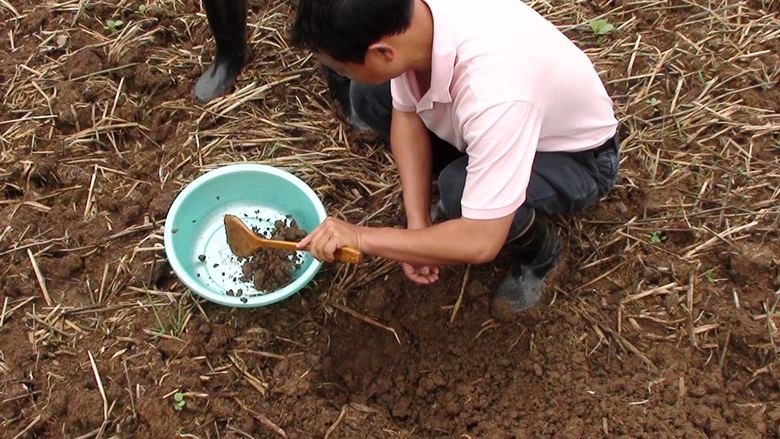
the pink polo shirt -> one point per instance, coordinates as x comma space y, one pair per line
505, 83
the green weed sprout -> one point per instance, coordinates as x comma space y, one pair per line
657, 237
600, 26
178, 401
113, 25
141, 9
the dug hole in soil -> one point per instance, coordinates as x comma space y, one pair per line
660, 320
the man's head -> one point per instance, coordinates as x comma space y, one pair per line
354, 37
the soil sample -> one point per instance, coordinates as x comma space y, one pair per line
270, 269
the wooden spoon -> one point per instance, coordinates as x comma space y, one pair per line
244, 242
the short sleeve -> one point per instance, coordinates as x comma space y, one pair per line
502, 142
402, 96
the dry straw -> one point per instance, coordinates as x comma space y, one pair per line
694, 85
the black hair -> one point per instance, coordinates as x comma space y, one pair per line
344, 29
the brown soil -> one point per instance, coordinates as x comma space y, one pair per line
271, 269
634, 338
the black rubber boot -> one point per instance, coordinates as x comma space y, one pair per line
227, 19
534, 253
338, 87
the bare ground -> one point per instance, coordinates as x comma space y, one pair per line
661, 320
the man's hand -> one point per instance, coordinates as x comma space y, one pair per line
330, 236
421, 274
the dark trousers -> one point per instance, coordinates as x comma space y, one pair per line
561, 182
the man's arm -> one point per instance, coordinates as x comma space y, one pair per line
456, 241
411, 147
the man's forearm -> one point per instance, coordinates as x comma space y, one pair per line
457, 241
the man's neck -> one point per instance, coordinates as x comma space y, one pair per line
419, 38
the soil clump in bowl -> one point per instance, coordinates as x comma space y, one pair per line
270, 269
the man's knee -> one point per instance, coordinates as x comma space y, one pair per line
373, 105
452, 180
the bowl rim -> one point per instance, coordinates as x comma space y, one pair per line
258, 300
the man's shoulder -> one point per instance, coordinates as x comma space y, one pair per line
487, 14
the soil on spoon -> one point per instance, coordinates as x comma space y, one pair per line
270, 269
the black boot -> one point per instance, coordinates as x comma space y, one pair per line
533, 254
227, 19
338, 87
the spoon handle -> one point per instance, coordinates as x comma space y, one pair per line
348, 255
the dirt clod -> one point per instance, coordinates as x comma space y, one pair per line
752, 261
502, 311
34, 21
271, 269
475, 289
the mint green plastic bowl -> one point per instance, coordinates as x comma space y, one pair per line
257, 194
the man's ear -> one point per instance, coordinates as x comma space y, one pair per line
383, 50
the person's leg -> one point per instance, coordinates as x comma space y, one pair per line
569, 182
560, 183
531, 246
533, 253
227, 19
373, 104
452, 181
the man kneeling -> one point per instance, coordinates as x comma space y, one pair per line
490, 98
